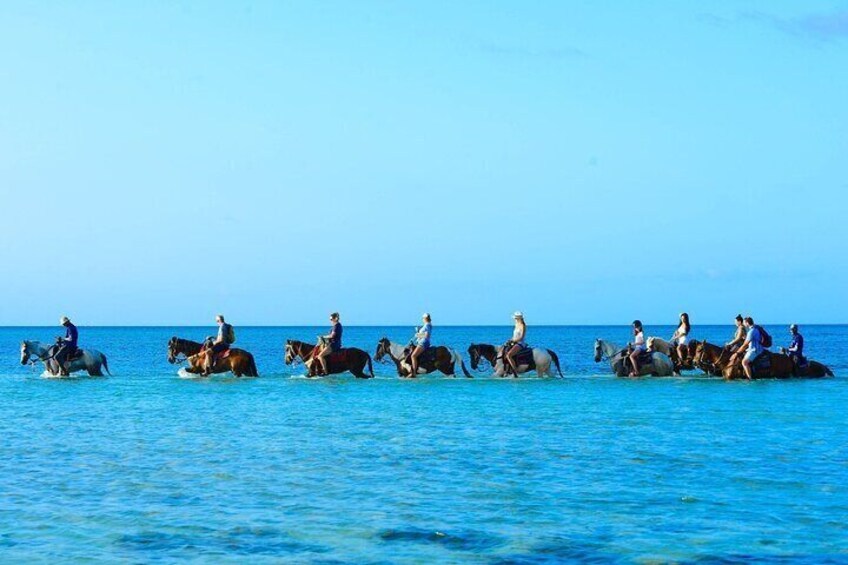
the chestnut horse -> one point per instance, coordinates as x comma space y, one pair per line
542, 360
707, 357
437, 358
237, 361
347, 359
812, 369
778, 366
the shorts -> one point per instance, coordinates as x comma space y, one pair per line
751, 354
640, 348
683, 340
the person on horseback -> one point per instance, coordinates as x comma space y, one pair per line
514, 346
638, 347
752, 348
739, 336
796, 346
680, 338
219, 344
331, 342
422, 342
67, 345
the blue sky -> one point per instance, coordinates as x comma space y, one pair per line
584, 162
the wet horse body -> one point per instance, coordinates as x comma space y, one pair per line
529, 359
654, 364
237, 361
437, 358
89, 360
347, 359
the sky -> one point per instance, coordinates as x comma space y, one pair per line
584, 162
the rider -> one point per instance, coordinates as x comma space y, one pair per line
681, 336
796, 347
517, 342
638, 347
332, 342
67, 345
752, 347
422, 342
221, 343
739, 336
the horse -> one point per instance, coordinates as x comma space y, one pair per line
812, 369
767, 365
89, 360
659, 364
541, 360
237, 361
348, 359
670, 349
707, 358
438, 358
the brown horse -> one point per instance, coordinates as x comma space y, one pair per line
811, 370
237, 361
347, 359
439, 358
767, 365
706, 358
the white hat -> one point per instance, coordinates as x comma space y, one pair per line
518, 314
425, 315
63, 320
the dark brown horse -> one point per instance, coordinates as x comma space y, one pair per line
438, 358
811, 370
767, 365
347, 359
706, 357
237, 361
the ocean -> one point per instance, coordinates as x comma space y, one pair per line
145, 466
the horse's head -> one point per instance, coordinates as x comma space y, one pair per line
650, 343
599, 350
25, 353
172, 350
291, 353
474, 355
698, 356
383, 349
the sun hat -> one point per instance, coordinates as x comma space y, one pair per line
518, 314
64, 320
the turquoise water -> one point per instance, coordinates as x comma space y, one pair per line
146, 466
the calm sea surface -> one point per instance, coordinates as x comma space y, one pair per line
146, 466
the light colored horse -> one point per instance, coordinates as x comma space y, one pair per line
660, 365
544, 360
91, 360
446, 359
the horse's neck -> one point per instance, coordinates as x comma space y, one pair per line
38, 348
303, 349
489, 352
396, 350
609, 348
190, 347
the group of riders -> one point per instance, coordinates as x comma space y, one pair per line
749, 342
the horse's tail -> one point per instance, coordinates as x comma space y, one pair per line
556, 362
827, 371
105, 364
457, 358
253, 371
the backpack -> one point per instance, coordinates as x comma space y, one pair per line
231, 335
765, 338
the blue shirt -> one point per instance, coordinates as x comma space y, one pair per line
428, 329
71, 335
797, 345
336, 332
755, 339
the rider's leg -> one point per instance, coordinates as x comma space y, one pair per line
510, 358
749, 370
681, 353
413, 359
634, 360
322, 359
210, 361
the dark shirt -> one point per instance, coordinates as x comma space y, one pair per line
336, 333
71, 335
797, 345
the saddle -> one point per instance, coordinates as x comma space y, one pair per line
645, 358
524, 356
429, 355
75, 355
338, 357
762, 361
